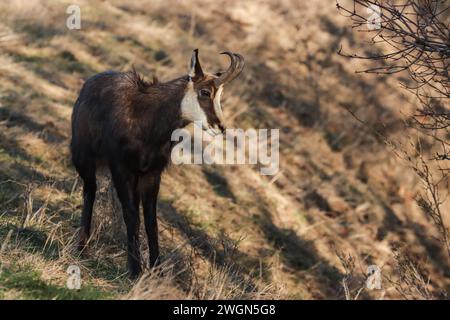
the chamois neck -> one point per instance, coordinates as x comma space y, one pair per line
163, 109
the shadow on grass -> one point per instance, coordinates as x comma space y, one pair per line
219, 183
46, 132
31, 240
301, 255
220, 251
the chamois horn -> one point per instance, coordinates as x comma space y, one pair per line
235, 68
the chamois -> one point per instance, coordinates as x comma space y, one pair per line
125, 123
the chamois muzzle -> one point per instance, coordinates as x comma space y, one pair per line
235, 68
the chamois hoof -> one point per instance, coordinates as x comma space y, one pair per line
82, 242
157, 268
134, 273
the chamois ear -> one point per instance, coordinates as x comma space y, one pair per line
195, 69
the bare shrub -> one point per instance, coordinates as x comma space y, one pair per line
412, 38
352, 283
416, 36
413, 279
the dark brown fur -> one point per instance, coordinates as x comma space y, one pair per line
126, 123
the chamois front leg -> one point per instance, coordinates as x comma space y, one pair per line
126, 187
149, 192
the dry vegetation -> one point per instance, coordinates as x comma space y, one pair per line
342, 201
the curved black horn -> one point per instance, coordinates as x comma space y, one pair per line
235, 68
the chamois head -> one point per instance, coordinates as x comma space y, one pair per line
201, 103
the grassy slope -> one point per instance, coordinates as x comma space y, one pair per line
226, 232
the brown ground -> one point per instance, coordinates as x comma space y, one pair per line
226, 231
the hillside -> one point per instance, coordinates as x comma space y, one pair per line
342, 200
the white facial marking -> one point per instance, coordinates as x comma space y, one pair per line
217, 106
190, 107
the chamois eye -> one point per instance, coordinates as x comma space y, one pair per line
205, 93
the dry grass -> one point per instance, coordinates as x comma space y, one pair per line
237, 234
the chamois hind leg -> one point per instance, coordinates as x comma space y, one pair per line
87, 174
126, 187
